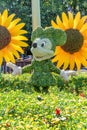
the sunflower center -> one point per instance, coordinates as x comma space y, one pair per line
74, 41
5, 37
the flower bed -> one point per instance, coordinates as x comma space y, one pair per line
22, 108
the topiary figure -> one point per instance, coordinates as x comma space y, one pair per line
43, 48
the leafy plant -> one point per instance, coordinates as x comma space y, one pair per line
21, 109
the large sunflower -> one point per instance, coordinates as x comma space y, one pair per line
73, 54
11, 37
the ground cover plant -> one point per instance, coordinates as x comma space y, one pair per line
63, 108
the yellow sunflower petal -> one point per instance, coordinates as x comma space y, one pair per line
58, 58
22, 32
76, 20
82, 59
8, 20
19, 38
55, 59
84, 34
1, 58
13, 23
19, 32
66, 62
83, 52
0, 61
10, 56
72, 62
85, 45
84, 27
4, 16
65, 20
54, 24
58, 54
78, 64
59, 22
77, 61
6, 57
57, 50
60, 62
18, 48
19, 43
81, 22
4, 54
17, 28
85, 41
12, 49
84, 62
71, 21
0, 19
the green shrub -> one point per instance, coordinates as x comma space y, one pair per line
75, 83
14, 82
22, 110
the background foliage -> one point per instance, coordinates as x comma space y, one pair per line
49, 10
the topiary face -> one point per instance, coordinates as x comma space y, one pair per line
42, 49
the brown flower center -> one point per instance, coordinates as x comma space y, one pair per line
74, 41
5, 37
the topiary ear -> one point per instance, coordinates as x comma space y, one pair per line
58, 36
36, 33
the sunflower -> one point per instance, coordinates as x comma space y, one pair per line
73, 54
11, 39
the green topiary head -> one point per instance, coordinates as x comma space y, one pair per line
56, 36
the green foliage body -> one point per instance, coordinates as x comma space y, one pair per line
42, 73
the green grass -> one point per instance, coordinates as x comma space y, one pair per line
20, 108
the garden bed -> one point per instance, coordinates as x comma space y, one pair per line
22, 108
